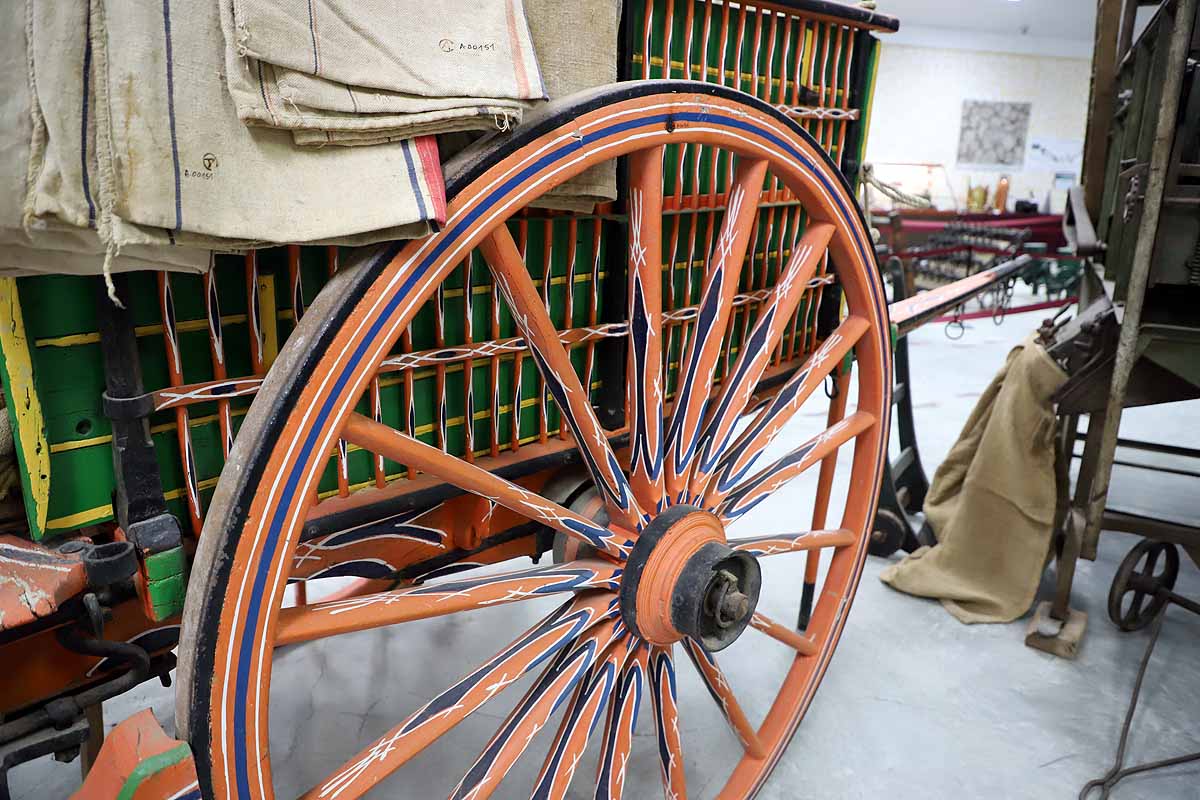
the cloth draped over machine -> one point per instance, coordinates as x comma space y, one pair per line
146, 135
991, 503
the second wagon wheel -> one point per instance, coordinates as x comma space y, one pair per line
671, 576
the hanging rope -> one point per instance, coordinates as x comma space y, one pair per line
895, 194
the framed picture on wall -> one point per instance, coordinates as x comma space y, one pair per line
993, 134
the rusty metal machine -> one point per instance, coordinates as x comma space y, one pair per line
1137, 220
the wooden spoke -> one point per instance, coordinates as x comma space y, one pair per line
722, 692
720, 286
666, 718
579, 720
437, 599
376, 438
837, 412
757, 349
621, 724
737, 459
755, 489
812, 561
804, 541
644, 391
562, 382
791, 638
533, 711
397, 746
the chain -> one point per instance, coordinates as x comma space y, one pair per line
1004, 296
956, 325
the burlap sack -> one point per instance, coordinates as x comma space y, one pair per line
991, 503
61, 67
577, 49
174, 155
48, 159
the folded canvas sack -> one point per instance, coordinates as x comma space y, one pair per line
357, 116
343, 72
335, 69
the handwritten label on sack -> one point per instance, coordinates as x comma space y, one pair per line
210, 162
451, 46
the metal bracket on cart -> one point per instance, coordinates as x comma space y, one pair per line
138, 502
898, 524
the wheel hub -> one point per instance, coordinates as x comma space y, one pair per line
682, 579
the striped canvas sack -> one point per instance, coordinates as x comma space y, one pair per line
47, 152
173, 154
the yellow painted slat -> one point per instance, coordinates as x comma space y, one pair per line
24, 410
101, 513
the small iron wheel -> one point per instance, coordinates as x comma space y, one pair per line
888, 535
1139, 579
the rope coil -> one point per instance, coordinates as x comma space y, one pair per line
894, 193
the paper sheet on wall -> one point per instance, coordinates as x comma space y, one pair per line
1049, 154
993, 135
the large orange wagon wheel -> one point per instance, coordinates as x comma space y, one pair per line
667, 571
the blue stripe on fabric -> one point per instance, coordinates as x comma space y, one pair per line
262, 89
171, 114
312, 32
83, 115
406, 146
254, 607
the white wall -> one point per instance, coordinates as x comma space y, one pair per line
918, 109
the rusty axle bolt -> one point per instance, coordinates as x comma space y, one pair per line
725, 603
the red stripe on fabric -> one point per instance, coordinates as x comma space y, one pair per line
514, 43
431, 168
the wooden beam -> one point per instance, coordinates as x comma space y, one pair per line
1100, 104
